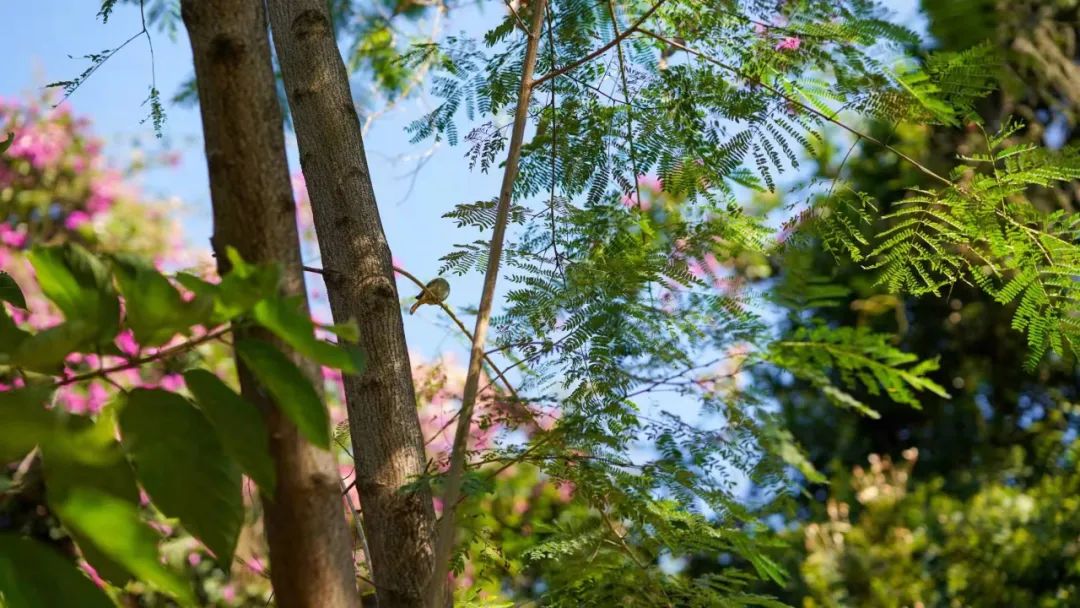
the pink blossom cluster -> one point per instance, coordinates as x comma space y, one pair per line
52, 158
64, 163
646, 184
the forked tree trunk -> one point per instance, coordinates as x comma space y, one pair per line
360, 283
310, 547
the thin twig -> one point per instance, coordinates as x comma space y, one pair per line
444, 542
161, 354
600, 51
870, 138
506, 382
626, 95
517, 17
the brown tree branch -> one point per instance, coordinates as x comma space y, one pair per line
444, 543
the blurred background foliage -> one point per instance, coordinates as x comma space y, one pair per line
968, 501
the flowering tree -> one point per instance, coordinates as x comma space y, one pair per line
623, 286
59, 188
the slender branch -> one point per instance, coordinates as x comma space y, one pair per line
629, 110
498, 372
870, 138
554, 146
600, 51
161, 354
517, 17
444, 542
359, 532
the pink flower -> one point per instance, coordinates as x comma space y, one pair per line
127, 344
42, 145
565, 490
172, 382
75, 219
12, 237
194, 558
790, 43
104, 191
96, 396
228, 593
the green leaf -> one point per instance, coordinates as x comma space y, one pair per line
24, 421
152, 306
45, 351
80, 286
4, 145
155, 311
10, 292
239, 425
238, 291
183, 466
10, 336
348, 331
292, 392
110, 473
113, 525
33, 575
297, 330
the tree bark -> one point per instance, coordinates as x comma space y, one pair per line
386, 435
254, 211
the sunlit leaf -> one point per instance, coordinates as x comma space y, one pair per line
296, 329
293, 393
114, 526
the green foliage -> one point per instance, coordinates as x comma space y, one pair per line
238, 425
981, 229
32, 575
114, 527
188, 459
10, 292
183, 466
291, 391
286, 321
860, 358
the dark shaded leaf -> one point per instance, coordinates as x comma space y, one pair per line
183, 466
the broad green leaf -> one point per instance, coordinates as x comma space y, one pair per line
152, 306
33, 575
348, 331
24, 421
10, 336
292, 392
239, 425
80, 286
183, 466
4, 145
114, 526
111, 475
10, 292
296, 329
46, 350
154, 309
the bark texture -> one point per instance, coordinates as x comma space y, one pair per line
386, 435
254, 211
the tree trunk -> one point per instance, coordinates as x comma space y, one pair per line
360, 283
254, 211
